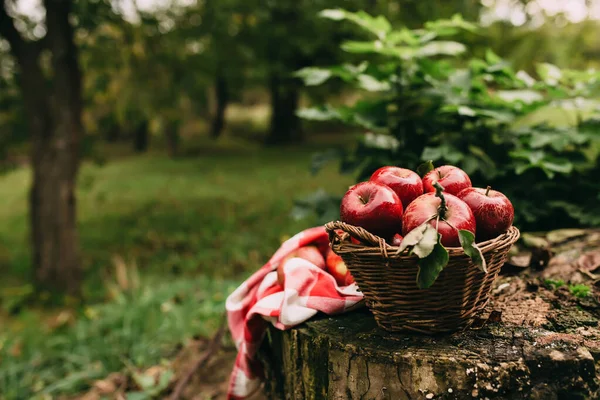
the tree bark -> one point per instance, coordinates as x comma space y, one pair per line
284, 127
111, 128
172, 136
546, 346
221, 100
54, 114
141, 137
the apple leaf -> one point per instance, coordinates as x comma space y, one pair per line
427, 242
467, 241
422, 239
424, 168
431, 266
412, 237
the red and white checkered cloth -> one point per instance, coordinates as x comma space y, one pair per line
261, 300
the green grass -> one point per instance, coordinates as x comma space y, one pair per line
138, 328
220, 215
193, 228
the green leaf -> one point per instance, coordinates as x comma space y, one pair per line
354, 69
353, 46
402, 52
467, 241
164, 380
424, 168
431, 266
412, 237
371, 84
313, 76
379, 25
427, 37
145, 382
333, 14
403, 36
500, 116
525, 78
460, 79
524, 96
446, 27
467, 111
318, 113
492, 58
561, 167
380, 141
437, 48
422, 239
442, 152
427, 242
580, 290
432, 153
549, 73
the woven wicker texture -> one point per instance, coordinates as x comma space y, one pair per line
388, 281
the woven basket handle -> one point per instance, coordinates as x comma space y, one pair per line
354, 231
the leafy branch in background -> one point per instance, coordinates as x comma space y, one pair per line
424, 97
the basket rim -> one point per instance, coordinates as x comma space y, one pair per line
377, 246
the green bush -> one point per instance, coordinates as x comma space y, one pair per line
423, 99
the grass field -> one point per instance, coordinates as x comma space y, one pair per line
164, 241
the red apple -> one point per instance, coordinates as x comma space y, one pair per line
458, 215
494, 213
453, 179
355, 240
338, 269
397, 240
406, 183
374, 207
309, 253
312, 254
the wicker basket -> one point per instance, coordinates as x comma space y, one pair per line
388, 281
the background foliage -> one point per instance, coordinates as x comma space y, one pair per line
428, 96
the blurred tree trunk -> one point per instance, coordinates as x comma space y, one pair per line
284, 124
54, 114
113, 131
110, 127
172, 136
140, 136
221, 102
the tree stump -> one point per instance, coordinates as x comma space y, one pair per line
539, 339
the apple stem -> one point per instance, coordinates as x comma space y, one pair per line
438, 193
437, 223
451, 226
487, 190
430, 218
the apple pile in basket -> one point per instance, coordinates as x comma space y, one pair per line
424, 216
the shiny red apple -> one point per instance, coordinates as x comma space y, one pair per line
397, 240
452, 178
406, 183
374, 207
309, 253
457, 216
338, 269
494, 213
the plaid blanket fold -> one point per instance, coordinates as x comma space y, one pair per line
260, 300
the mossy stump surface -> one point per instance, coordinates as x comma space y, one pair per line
539, 339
